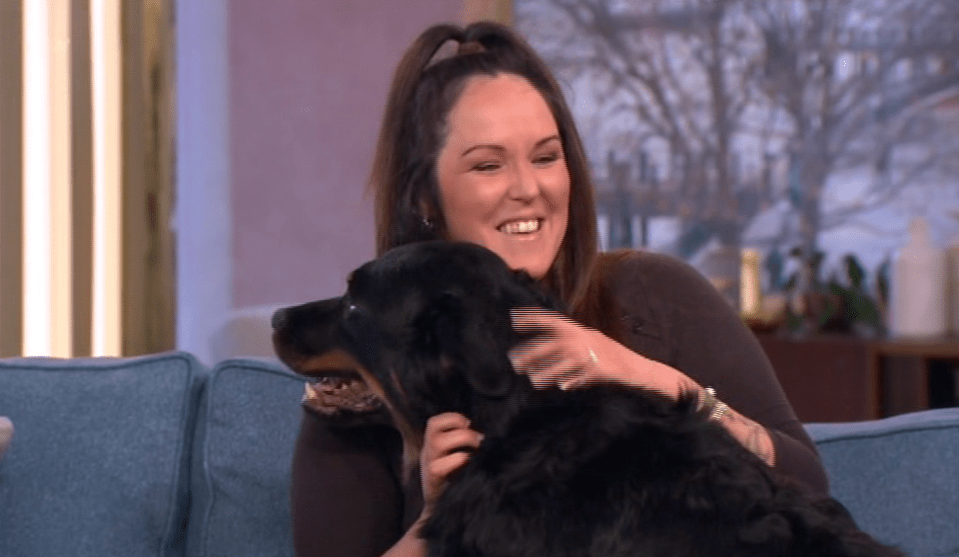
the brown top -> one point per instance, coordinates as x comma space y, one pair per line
346, 496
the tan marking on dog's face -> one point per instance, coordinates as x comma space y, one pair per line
333, 360
342, 361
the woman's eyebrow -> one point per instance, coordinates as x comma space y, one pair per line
496, 147
483, 146
545, 140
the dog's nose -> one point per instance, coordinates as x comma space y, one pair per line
279, 319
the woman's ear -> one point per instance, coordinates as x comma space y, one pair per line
428, 216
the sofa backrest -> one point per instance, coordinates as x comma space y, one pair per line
249, 418
161, 457
99, 462
899, 477
155, 457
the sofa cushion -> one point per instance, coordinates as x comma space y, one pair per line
249, 419
898, 477
100, 461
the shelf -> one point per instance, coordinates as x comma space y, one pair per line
837, 378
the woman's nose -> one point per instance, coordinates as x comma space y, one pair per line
524, 184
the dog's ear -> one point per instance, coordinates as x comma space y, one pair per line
489, 373
473, 337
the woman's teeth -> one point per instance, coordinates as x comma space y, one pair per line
520, 226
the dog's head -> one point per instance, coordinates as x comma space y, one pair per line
426, 326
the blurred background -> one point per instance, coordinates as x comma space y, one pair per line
172, 170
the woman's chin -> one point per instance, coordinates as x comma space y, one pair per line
535, 266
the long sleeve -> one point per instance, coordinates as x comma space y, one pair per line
346, 499
670, 313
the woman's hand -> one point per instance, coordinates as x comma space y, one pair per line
569, 355
447, 445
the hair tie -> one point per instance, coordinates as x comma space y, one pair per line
470, 47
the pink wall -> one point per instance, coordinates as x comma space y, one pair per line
308, 79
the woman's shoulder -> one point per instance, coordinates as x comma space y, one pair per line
631, 269
634, 293
657, 290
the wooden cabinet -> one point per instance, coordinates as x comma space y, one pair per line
835, 378
916, 374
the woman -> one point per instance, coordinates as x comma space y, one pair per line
480, 146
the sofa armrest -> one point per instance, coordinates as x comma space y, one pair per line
898, 477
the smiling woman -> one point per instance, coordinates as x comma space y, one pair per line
479, 146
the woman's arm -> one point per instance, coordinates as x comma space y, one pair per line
700, 333
346, 500
447, 444
410, 545
672, 319
573, 356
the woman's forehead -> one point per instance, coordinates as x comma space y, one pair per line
494, 109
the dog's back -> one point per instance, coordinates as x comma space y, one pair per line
615, 472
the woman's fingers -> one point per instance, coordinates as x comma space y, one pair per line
533, 355
559, 354
447, 445
444, 466
456, 440
449, 432
446, 421
548, 368
531, 319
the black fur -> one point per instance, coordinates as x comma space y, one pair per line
607, 471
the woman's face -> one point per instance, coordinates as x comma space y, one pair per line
502, 173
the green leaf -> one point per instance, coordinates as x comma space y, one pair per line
854, 271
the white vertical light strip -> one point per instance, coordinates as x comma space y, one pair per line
61, 227
36, 179
105, 70
46, 196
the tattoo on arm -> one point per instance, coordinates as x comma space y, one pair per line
752, 435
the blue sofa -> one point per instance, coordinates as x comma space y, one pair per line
161, 456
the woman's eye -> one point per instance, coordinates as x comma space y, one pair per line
548, 158
486, 166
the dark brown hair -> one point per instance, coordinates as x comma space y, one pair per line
404, 179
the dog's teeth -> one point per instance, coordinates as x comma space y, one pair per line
308, 393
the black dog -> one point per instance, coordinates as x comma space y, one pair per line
606, 471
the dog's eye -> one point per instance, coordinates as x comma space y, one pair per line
349, 309
352, 312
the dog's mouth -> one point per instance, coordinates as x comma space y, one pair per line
336, 384
340, 385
